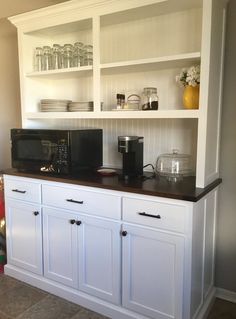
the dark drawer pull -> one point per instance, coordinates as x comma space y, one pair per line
75, 201
78, 222
18, 191
72, 221
150, 215
36, 213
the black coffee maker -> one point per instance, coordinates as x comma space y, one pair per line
132, 149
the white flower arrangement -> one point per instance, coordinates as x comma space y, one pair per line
189, 76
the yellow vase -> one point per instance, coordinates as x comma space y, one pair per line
191, 97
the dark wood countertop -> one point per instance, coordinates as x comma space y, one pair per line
183, 190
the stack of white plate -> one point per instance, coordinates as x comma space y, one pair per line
51, 105
80, 107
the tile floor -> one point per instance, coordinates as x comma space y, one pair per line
21, 301
223, 310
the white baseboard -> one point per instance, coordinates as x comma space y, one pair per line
103, 307
226, 294
95, 304
204, 310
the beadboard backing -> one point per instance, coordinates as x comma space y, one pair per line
175, 33
169, 92
160, 136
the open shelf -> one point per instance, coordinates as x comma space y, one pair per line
82, 70
164, 62
159, 114
147, 10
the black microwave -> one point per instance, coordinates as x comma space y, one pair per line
56, 151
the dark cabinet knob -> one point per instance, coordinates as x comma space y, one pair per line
124, 233
78, 222
36, 213
72, 221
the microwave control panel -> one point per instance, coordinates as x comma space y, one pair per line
62, 153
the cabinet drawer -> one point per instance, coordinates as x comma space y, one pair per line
23, 190
155, 214
81, 200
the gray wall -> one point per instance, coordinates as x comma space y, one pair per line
226, 228
9, 89
9, 76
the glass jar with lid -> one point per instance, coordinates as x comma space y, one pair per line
88, 55
79, 47
67, 56
77, 54
88, 49
174, 166
38, 59
47, 58
149, 99
56, 56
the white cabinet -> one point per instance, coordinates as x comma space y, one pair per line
60, 246
24, 235
99, 246
156, 214
82, 239
80, 200
142, 257
22, 189
153, 272
82, 252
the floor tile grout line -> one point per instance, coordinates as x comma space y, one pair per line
32, 305
17, 284
4, 314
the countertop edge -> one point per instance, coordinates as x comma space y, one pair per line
199, 192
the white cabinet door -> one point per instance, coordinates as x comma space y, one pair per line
60, 246
152, 272
100, 258
24, 235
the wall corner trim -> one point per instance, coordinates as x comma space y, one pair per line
226, 294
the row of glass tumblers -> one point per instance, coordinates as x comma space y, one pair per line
66, 56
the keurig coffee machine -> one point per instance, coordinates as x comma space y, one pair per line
132, 149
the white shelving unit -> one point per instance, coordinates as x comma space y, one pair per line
136, 44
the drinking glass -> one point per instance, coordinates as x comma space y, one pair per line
47, 58
67, 55
38, 59
56, 56
88, 54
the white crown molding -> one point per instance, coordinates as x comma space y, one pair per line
56, 9
75, 7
